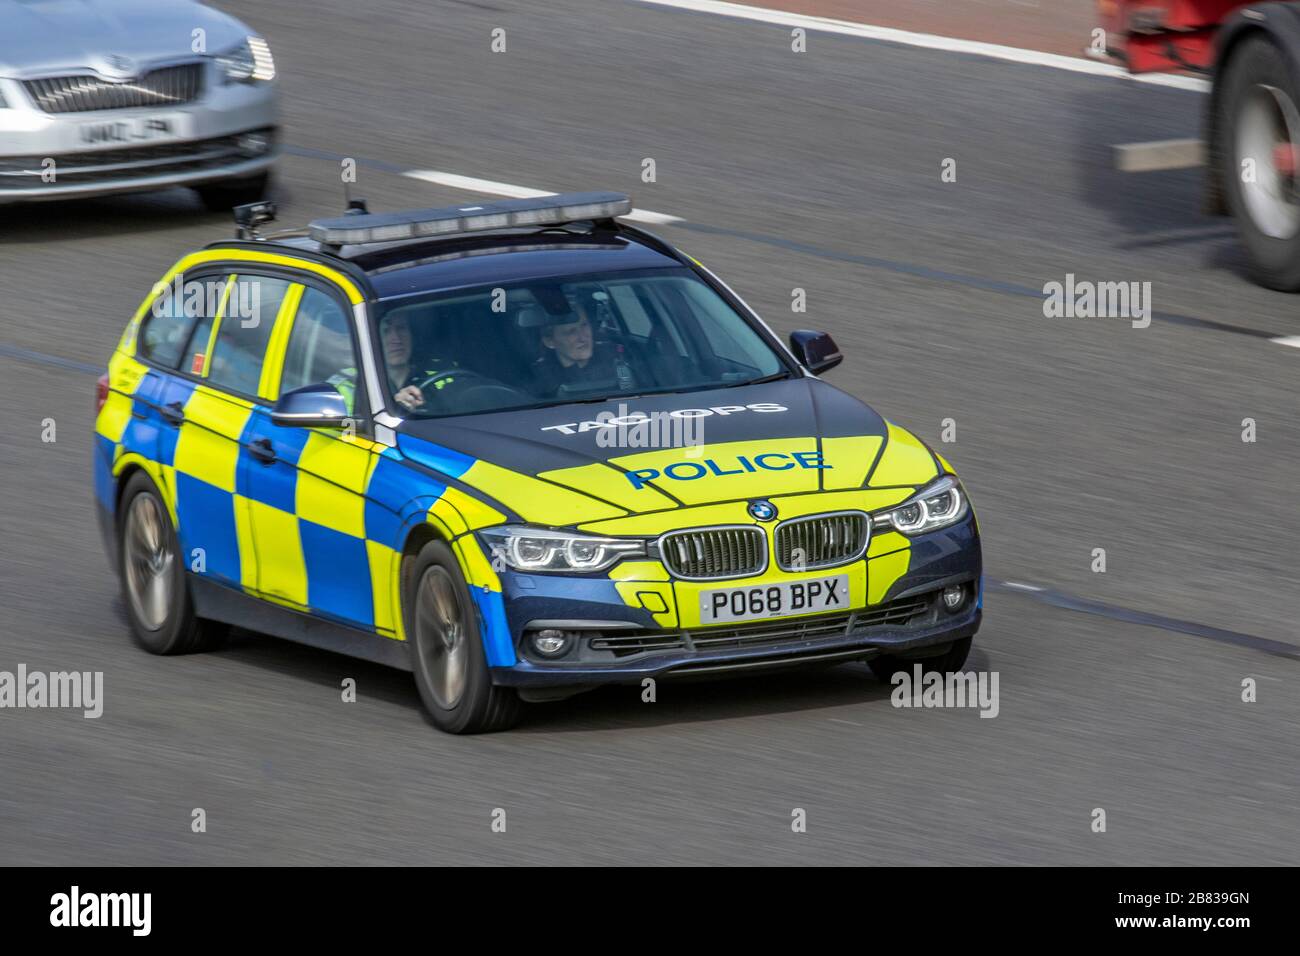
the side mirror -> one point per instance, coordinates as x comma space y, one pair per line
312, 406
816, 351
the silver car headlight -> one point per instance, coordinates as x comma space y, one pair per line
542, 550
250, 62
936, 506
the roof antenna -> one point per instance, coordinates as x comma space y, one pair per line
252, 215
352, 207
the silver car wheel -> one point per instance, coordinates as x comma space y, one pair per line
441, 644
149, 561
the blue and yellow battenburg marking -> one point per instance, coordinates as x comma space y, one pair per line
318, 529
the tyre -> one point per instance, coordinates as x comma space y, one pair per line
451, 669
886, 665
226, 195
1259, 130
154, 589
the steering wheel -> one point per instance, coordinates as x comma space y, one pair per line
470, 385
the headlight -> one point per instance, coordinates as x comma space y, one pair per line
249, 62
539, 549
935, 507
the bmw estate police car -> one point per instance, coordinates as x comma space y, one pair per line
520, 449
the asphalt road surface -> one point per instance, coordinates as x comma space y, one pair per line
819, 170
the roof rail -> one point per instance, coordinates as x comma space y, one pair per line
555, 210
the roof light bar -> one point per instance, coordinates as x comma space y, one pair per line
450, 220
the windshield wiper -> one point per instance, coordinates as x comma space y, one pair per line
774, 377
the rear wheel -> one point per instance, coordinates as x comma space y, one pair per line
225, 195
153, 576
1259, 124
946, 662
451, 670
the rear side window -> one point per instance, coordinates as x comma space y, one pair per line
247, 319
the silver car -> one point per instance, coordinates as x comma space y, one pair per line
110, 96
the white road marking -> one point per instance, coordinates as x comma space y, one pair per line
931, 41
1021, 587
1291, 340
657, 218
1159, 155
474, 185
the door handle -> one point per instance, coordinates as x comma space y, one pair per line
173, 412
262, 450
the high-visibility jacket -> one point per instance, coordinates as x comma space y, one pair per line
346, 381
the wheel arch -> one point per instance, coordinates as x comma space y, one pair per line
127, 466
481, 579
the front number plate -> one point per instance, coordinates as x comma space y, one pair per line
780, 599
125, 132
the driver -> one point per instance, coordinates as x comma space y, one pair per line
404, 375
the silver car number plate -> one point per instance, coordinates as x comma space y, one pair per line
136, 129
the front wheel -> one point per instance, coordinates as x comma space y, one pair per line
157, 599
1259, 124
451, 670
946, 662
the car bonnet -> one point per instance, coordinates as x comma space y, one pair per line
597, 463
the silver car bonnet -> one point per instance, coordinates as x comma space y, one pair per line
114, 38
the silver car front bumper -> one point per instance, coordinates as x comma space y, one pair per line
229, 132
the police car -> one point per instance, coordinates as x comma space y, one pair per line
521, 449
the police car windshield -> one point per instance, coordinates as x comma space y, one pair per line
574, 339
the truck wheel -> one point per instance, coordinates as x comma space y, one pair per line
885, 666
1260, 128
451, 670
153, 576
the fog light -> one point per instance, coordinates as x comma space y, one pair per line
954, 596
253, 144
550, 642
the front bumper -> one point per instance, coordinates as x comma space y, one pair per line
755, 650
81, 154
618, 643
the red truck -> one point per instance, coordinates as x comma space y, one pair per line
1251, 53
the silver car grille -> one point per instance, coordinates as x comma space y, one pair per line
704, 553
166, 86
821, 541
